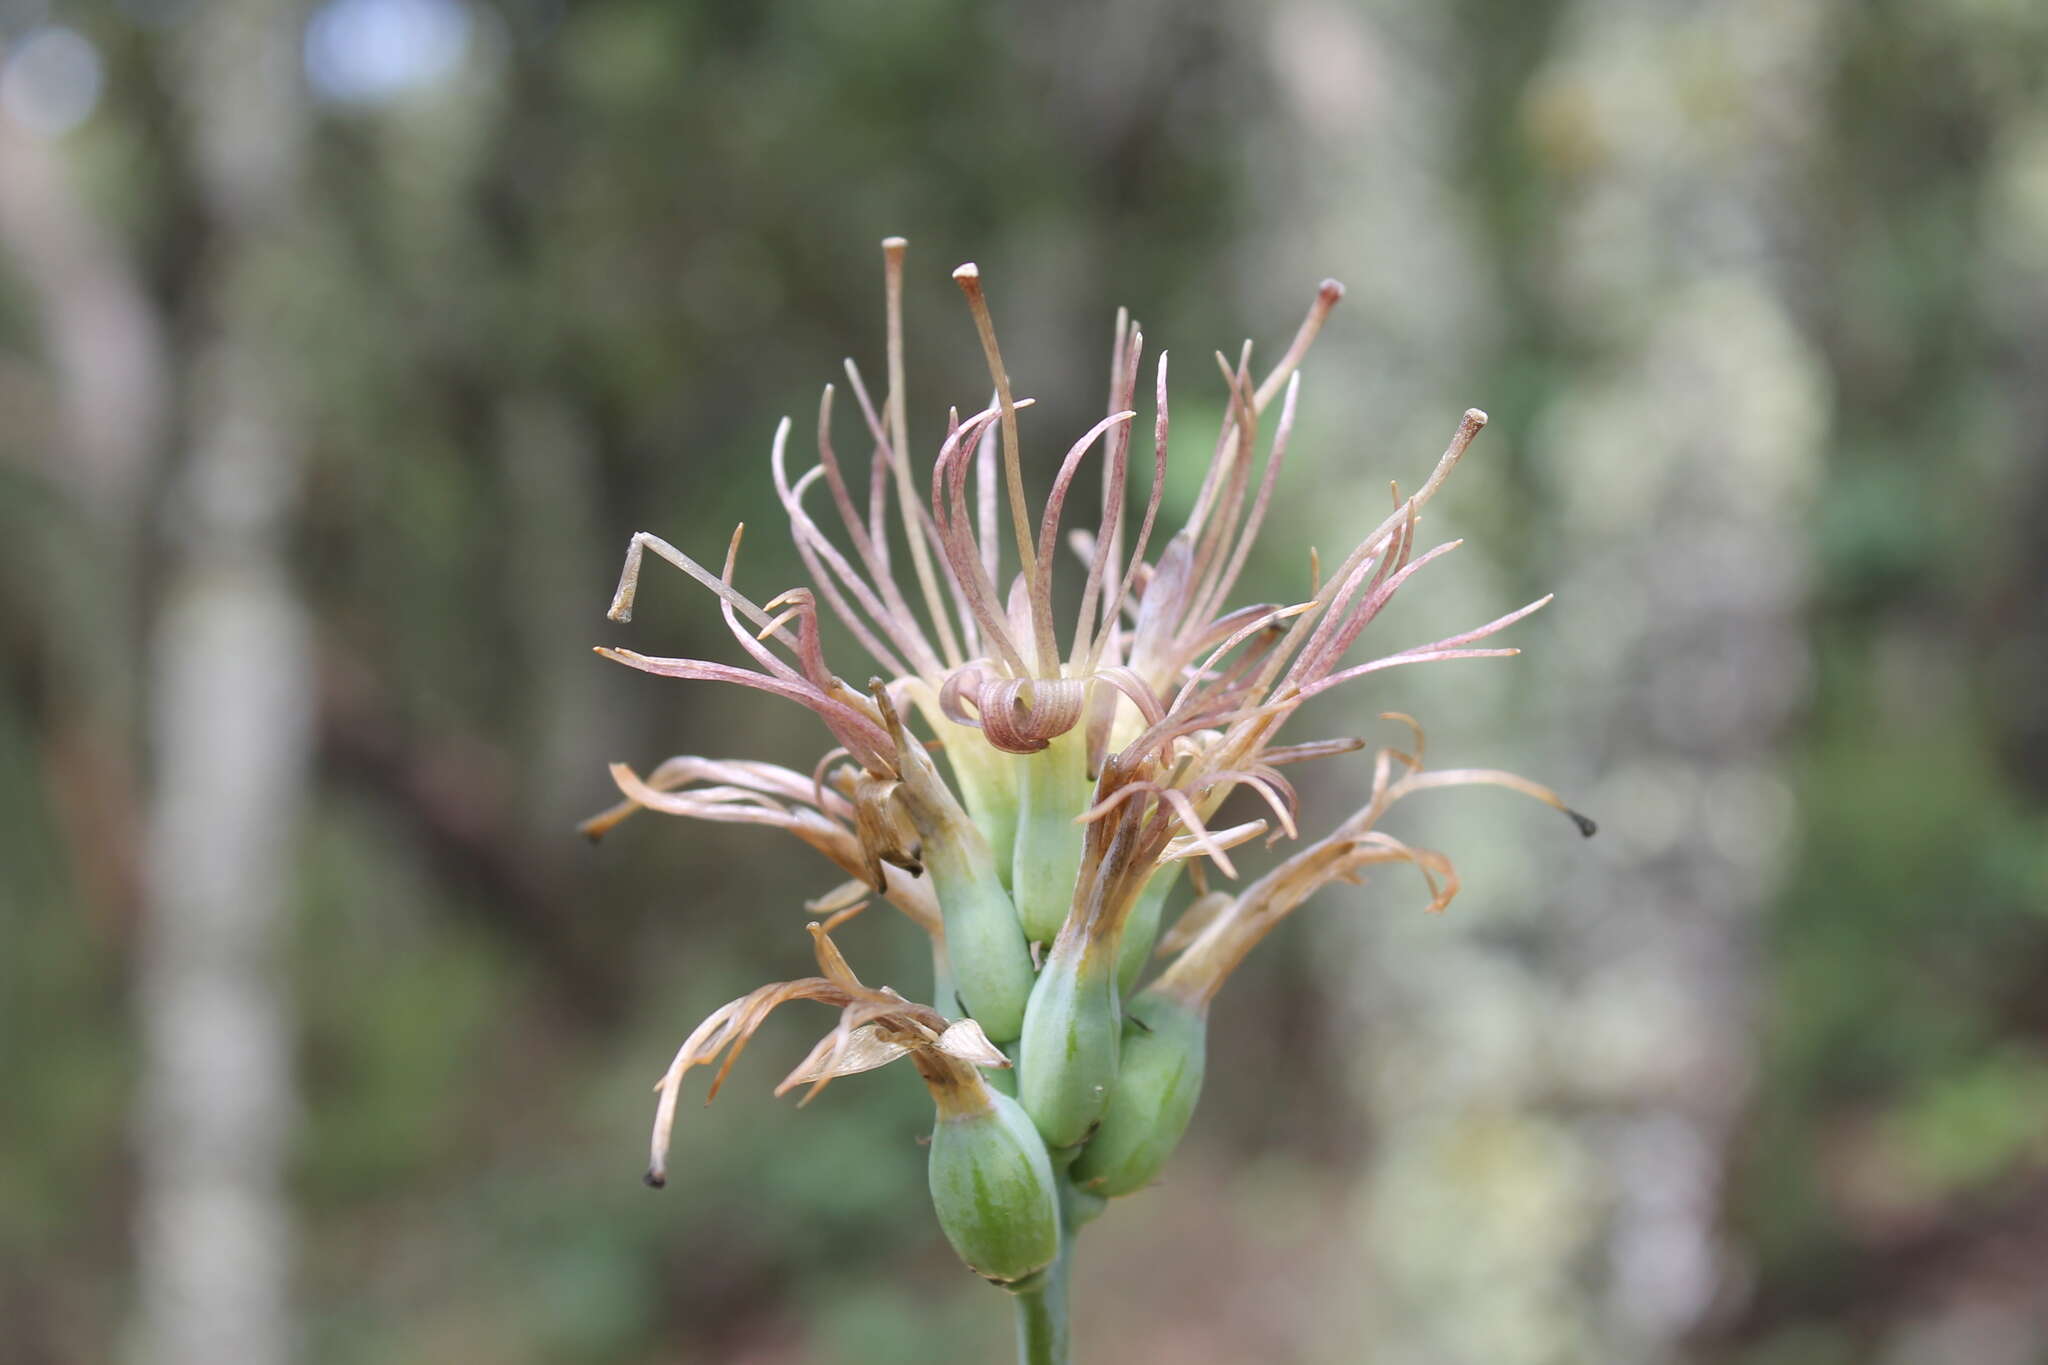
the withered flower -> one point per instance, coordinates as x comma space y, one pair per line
875, 1028
1080, 773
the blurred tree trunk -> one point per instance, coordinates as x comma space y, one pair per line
551, 469
1683, 460
104, 342
1553, 1080
1465, 1216
230, 681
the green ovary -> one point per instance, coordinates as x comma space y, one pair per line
1052, 789
992, 1186
1165, 1047
991, 963
1067, 1057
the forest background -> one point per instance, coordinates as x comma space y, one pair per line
342, 348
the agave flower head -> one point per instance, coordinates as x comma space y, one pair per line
1085, 766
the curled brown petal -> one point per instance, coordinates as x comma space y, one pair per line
823, 833
957, 691
1215, 950
729, 1024
832, 963
871, 1023
853, 727
1492, 777
1397, 660
883, 827
1187, 845
1314, 749
863, 1049
965, 1039
1017, 715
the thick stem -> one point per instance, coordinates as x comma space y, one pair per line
1042, 1336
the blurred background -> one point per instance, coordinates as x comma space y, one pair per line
344, 344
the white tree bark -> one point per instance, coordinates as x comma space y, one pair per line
1551, 1077
231, 724
1683, 459
103, 341
100, 329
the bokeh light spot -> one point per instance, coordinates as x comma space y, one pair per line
50, 80
375, 51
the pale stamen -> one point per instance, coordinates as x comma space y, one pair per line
1109, 532
893, 249
1139, 574
968, 277
819, 553
949, 511
629, 578
873, 551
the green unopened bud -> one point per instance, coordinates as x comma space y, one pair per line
1165, 1045
1067, 1056
1052, 788
992, 1183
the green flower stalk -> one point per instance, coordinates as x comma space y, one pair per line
1079, 773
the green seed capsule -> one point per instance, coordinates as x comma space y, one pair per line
991, 962
992, 1185
1067, 1056
1164, 1049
